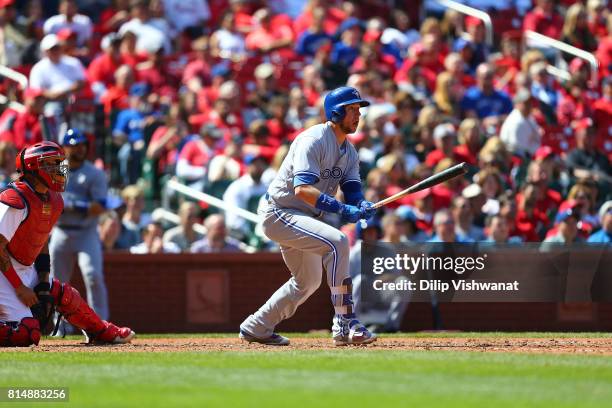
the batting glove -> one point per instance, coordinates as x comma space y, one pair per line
351, 213
368, 209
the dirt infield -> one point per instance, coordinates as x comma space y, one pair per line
598, 346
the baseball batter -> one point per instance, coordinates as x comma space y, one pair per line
76, 232
29, 208
320, 160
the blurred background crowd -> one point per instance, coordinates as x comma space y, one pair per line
210, 93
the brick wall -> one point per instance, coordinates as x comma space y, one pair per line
214, 293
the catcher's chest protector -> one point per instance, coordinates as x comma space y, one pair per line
34, 231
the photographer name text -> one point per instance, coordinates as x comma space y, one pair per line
444, 286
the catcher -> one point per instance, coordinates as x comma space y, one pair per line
29, 207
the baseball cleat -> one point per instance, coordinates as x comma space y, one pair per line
350, 332
274, 340
111, 335
124, 337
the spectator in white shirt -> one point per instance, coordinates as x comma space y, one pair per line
186, 14
59, 76
153, 242
519, 131
227, 42
68, 18
243, 190
150, 33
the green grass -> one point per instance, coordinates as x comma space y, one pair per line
345, 377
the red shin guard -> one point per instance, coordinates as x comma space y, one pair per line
76, 311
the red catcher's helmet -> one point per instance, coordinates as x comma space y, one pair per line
45, 161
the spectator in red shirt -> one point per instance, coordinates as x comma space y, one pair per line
333, 17
530, 223
113, 17
509, 63
454, 65
196, 74
116, 97
574, 104
68, 40
470, 141
604, 53
425, 55
602, 116
270, 35
225, 115
192, 163
219, 74
128, 49
544, 19
154, 71
597, 17
372, 57
280, 130
444, 139
243, 14
101, 71
23, 128
166, 139
547, 200
576, 29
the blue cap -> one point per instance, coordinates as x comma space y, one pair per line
350, 23
250, 158
73, 137
139, 89
373, 222
406, 213
564, 215
460, 44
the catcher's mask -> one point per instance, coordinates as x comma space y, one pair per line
46, 162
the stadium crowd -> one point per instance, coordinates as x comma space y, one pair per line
212, 92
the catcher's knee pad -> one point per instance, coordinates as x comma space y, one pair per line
75, 309
22, 334
342, 297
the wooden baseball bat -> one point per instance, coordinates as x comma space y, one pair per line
441, 177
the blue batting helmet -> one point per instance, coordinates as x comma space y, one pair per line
73, 137
336, 100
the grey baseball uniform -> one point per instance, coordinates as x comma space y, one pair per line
76, 235
307, 243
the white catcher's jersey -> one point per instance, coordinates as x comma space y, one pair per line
314, 152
